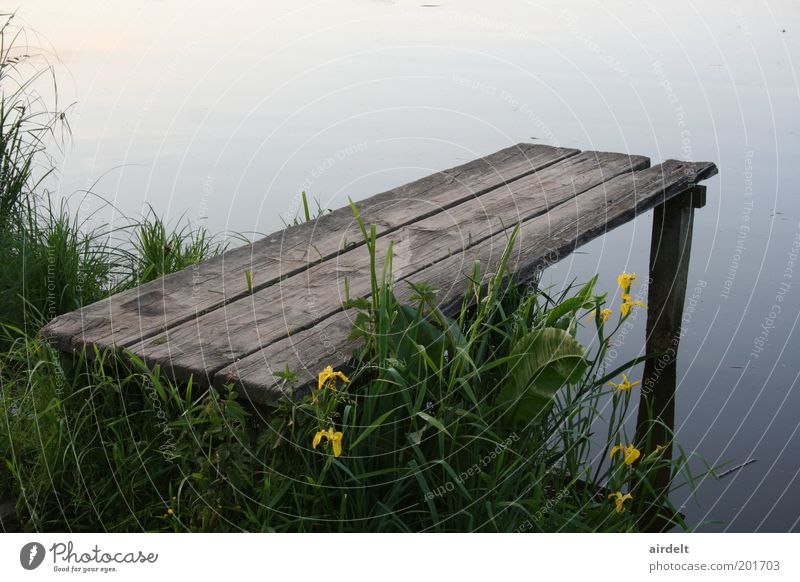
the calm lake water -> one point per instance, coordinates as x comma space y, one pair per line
223, 113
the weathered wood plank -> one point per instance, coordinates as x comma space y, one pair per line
259, 376
203, 346
541, 240
151, 308
547, 239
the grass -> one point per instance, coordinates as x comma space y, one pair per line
482, 419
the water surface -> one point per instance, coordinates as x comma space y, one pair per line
223, 112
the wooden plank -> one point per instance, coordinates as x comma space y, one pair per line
542, 240
547, 239
259, 376
203, 346
153, 307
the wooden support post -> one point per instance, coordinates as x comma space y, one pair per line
670, 248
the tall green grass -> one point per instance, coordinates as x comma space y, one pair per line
431, 441
482, 420
159, 250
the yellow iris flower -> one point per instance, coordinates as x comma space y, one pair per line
620, 500
630, 453
334, 437
605, 314
328, 376
626, 384
625, 279
625, 308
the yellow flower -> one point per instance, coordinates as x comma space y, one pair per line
335, 438
625, 279
170, 511
630, 453
328, 376
620, 499
625, 308
605, 314
625, 384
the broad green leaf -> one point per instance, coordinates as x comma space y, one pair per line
542, 362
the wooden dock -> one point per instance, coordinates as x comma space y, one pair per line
205, 322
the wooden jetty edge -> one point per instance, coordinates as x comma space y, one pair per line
205, 323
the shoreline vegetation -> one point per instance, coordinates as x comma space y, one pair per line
480, 420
